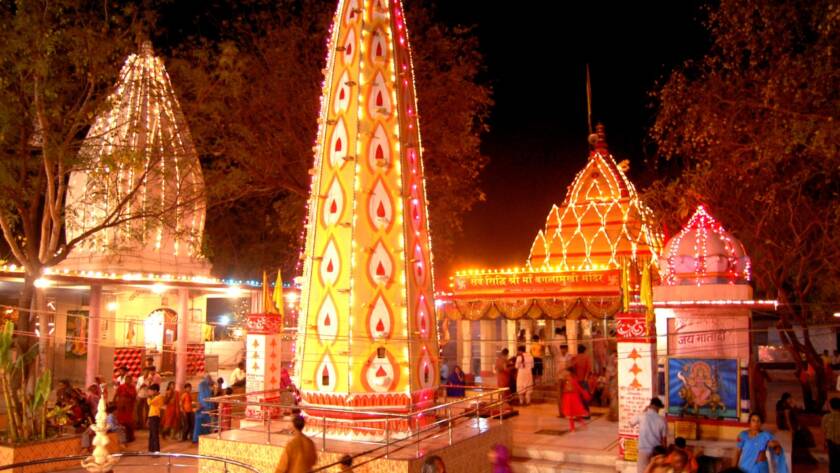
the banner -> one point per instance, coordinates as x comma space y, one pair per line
517, 283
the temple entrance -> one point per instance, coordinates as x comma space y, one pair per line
159, 330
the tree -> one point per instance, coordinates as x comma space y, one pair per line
251, 91
59, 62
750, 130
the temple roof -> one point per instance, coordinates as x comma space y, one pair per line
601, 221
139, 174
703, 252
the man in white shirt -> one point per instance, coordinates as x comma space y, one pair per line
237, 377
653, 431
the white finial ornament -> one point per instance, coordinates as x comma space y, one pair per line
101, 460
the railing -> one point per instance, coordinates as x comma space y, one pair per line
168, 456
447, 413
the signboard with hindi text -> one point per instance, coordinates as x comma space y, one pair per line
535, 282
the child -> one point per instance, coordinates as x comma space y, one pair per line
225, 411
113, 426
155, 401
187, 413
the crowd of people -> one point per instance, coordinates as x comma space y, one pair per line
142, 403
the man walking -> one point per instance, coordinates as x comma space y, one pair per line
299, 455
831, 428
653, 432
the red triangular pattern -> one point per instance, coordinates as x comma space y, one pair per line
380, 326
380, 211
341, 94
379, 49
381, 372
327, 321
380, 155
379, 100
380, 270
333, 207
338, 145
330, 266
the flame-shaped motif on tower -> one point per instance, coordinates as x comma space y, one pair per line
368, 260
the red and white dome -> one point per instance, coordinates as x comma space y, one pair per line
703, 252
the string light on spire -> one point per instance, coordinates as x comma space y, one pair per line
703, 252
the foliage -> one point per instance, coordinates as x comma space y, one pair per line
750, 130
26, 412
251, 94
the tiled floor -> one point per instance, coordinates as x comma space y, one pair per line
432, 440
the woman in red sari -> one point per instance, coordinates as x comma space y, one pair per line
572, 393
170, 422
125, 398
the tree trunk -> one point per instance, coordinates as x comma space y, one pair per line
39, 310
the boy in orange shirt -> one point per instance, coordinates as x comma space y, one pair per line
187, 413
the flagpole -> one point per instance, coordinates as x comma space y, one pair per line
588, 100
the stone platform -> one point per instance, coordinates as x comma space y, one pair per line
471, 440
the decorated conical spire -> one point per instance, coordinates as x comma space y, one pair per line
138, 167
602, 220
368, 336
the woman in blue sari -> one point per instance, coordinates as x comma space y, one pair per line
753, 444
202, 416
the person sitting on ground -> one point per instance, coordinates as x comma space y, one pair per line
659, 461
113, 426
681, 445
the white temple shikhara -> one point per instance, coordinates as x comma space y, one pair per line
141, 171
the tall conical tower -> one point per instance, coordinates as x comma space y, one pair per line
367, 334
139, 168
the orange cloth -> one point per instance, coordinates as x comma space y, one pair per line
186, 403
583, 365
299, 455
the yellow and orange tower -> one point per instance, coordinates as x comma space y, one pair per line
367, 336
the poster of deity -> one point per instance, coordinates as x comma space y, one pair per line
75, 345
706, 387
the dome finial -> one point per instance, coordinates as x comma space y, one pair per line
598, 140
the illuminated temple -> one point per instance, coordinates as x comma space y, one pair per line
573, 274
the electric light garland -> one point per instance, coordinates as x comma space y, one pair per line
145, 120
710, 241
377, 279
601, 221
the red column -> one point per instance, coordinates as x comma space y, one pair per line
94, 315
636, 350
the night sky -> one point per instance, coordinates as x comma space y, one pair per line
535, 59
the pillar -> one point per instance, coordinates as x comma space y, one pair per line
94, 317
636, 349
572, 335
488, 345
183, 337
510, 326
263, 364
465, 344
